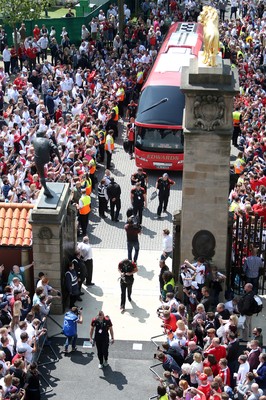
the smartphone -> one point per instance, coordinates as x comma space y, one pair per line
155, 355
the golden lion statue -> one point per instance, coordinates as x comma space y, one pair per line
209, 19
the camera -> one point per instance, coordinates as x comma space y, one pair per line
80, 309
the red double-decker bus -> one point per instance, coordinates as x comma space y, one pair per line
159, 142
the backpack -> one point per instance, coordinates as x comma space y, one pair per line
257, 304
70, 324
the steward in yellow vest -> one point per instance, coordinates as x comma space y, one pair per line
109, 147
84, 210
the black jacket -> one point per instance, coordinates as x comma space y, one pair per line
246, 304
113, 190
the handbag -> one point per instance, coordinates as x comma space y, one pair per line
220, 331
241, 321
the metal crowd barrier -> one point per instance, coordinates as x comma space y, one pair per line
151, 367
41, 343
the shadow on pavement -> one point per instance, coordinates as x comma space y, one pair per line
116, 172
138, 312
114, 378
142, 271
95, 291
80, 357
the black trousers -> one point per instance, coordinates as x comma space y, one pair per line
84, 220
102, 349
236, 133
131, 147
222, 15
137, 211
72, 300
109, 158
163, 203
125, 287
102, 205
89, 271
101, 152
115, 204
7, 67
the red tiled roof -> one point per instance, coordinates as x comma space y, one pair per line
15, 229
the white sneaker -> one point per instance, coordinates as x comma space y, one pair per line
105, 364
100, 366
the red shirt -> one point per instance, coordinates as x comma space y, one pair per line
219, 352
170, 323
225, 375
206, 389
36, 33
31, 52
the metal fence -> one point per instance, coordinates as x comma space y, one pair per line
245, 233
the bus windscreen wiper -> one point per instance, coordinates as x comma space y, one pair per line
155, 105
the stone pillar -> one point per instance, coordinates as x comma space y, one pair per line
208, 127
54, 237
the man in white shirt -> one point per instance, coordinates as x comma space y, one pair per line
86, 254
243, 369
6, 59
167, 245
43, 44
29, 350
199, 268
69, 83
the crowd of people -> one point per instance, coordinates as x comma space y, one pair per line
22, 333
76, 95
210, 349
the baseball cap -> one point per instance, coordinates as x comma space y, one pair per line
21, 349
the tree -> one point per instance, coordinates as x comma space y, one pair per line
16, 11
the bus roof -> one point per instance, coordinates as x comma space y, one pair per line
183, 42
169, 112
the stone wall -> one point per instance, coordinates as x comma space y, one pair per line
54, 242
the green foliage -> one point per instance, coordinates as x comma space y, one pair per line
17, 11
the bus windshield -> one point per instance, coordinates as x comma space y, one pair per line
160, 140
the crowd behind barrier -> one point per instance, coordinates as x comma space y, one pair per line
207, 349
77, 97
23, 334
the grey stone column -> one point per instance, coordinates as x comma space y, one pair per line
208, 126
54, 237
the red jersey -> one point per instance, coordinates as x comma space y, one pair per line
219, 352
36, 33
31, 52
225, 375
206, 389
170, 323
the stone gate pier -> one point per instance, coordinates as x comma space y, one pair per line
209, 93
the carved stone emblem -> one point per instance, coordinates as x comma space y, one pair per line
45, 233
209, 112
203, 244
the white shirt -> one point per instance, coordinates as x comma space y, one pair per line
43, 42
242, 372
28, 354
200, 273
85, 251
6, 55
168, 243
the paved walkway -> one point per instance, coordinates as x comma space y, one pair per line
111, 235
